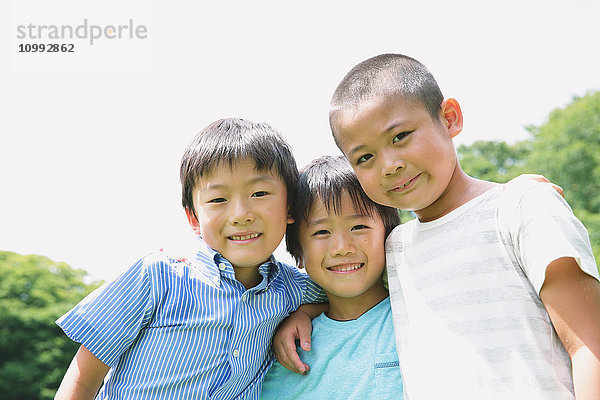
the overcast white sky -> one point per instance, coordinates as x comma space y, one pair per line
90, 142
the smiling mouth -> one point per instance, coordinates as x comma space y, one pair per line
407, 184
346, 267
244, 237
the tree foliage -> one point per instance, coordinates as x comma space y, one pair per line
565, 149
34, 352
494, 160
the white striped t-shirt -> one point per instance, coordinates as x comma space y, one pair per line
171, 330
468, 321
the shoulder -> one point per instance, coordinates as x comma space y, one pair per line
398, 235
289, 273
523, 191
161, 264
289, 278
161, 260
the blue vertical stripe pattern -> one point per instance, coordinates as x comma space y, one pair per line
170, 329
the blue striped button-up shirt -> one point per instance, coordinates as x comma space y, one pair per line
173, 330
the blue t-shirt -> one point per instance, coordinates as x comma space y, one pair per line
349, 360
174, 330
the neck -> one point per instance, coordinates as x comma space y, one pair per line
461, 189
249, 277
349, 308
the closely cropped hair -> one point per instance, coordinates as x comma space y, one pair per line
327, 178
230, 140
387, 75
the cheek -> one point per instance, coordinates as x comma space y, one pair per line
368, 181
208, 225
311, 254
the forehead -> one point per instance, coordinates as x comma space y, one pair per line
377, 115
240, 172
345, 208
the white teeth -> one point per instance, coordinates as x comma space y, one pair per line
403, 186
347, 268
246, 237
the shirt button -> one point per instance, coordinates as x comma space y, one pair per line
222, 266
236, 353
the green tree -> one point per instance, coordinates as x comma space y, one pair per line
494, 160
566, 149
34, 352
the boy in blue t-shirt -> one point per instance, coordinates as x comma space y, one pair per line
199, 330
338, 236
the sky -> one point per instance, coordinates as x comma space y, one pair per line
90, 141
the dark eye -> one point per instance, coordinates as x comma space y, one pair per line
359, 226
321, 232
217, 200
364, 158
261, 193
400, 136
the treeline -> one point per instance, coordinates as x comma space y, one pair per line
565, 149
34, 352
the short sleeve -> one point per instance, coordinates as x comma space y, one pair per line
545, 229
300, 288
109, 319
313, 293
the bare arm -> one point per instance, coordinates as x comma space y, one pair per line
572, 299
298, 326
83, 377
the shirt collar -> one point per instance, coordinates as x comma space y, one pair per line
269, 269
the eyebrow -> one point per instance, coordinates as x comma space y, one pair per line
392, 126
257, 179
323, 220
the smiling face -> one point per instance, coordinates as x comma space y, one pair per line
241, 212
344, 252
403, 158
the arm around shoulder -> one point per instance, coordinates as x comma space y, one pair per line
297, 326
83, 377
572, 299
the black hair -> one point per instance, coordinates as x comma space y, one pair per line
230, 140
326, 179
387, 75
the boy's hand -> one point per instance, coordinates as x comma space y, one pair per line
539, 178
179, 257
298, 326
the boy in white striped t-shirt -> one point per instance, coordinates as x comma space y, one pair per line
495, 292
494, 289
202, 329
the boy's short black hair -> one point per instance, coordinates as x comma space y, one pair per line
229, 140
327, 178
387, 75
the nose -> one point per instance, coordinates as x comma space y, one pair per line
392, 162
241, 212
342, 245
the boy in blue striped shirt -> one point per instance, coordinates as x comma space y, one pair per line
172, 330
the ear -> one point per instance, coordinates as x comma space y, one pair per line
453, 117
290, 220
193, 221
300, 263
